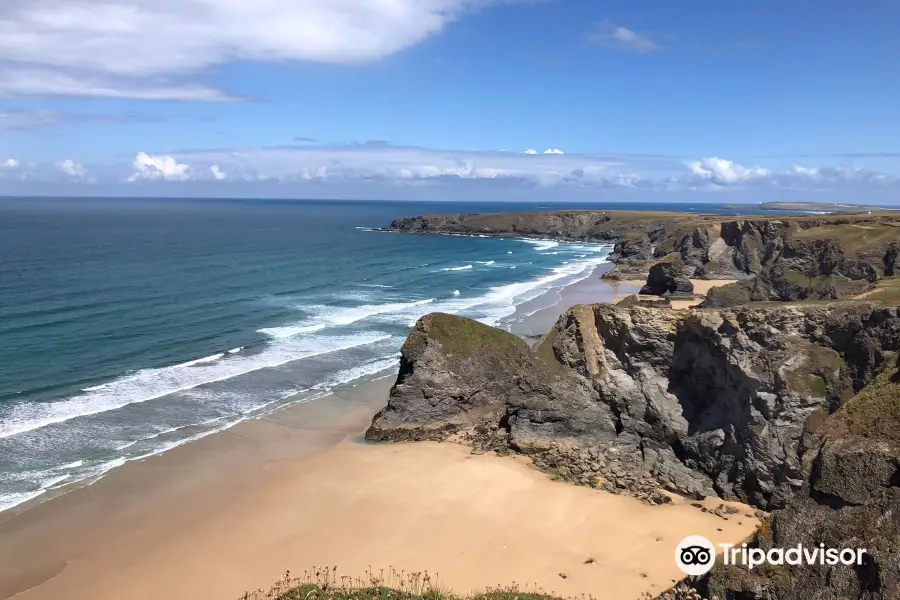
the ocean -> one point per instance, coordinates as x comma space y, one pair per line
131, 326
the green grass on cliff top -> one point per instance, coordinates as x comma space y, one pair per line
855, 237
462, 338
888, 292
875, 411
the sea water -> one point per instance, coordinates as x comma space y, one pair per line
129, 327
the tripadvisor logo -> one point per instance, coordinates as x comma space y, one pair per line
696, 555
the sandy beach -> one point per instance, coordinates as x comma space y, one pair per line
232, 511
701, 288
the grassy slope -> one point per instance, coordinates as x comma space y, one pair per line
875, 411
462, 338
887, 291
854, 237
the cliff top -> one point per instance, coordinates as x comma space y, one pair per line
874, 413
461, 338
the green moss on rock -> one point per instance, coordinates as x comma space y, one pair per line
875, 411
462, 338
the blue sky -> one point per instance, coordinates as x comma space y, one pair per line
647, 100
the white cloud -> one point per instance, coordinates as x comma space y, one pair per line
622, 38
721, 171
21, 119
719, 174
402, 164
147, 167
406, 168
114, 48
41, 81
72, 169
547, 151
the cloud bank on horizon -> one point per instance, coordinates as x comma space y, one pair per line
423, 168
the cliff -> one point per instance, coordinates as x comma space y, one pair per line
784, 258
572, 225
454, 372
850, 498
793, 408
828, 261
711, 402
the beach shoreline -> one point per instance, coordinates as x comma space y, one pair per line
232, 511
539, 319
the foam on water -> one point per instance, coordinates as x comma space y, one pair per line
463, 268
542, 245
501, 301
291, 330
94, 388
94, 472
150, 384
368, 369
199, 361
348, 315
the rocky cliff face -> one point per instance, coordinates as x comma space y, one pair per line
775, 259
713, 402
809, 268
455, 373
575, 225
850, 498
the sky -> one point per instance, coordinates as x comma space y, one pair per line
607, 100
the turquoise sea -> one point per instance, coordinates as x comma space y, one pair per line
128, 327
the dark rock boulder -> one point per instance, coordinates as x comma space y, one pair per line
632, 246
667, 277
455, 373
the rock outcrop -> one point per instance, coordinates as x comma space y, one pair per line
455, 373
666, 278
714, 402
810, 267
573, 225
786, 258
850, 499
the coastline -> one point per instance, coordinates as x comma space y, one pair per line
344, 337
232, 511
537, 318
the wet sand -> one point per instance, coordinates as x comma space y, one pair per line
232, 511
539, 317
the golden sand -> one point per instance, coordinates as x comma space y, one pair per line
232, 511
701, 288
